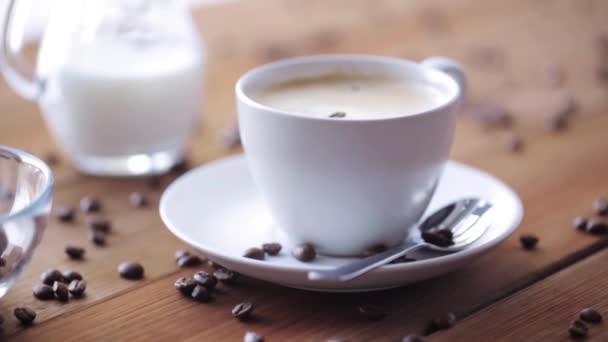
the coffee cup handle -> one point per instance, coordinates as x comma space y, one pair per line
450, 67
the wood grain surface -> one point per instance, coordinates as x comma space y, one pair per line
506, 47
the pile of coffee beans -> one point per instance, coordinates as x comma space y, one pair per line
203, 283
578, 328
58, 285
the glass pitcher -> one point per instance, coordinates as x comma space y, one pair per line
120, 82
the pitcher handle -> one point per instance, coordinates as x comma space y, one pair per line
28, 88
452, 68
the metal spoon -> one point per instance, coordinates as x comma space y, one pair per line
466, 219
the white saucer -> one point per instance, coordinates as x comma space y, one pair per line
216, 209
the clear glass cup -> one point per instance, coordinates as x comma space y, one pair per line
120, 82
26, 190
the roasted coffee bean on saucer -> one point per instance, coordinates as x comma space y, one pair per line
254, 253
304, 252
272, 248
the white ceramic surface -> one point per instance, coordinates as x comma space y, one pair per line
217, 209
324, 178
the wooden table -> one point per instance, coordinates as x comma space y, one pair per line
510, 294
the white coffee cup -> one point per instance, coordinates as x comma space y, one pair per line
346, 185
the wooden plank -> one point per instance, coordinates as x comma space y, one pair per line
544, 311
152, 310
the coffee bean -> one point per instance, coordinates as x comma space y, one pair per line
375, 249
185, 286
43, 292
580, 223
528, 242
272, 248
304, 252
231, 137
97, 237
243, 310
181, 253
556, 122
205, 279
74, 252
370, 312
90, 204
438, 237
444, 322
154, 182
138, 200
25, 315
131, 270
338, 115
64, 214
513, 143
77, 287
61, 291
69, 276
590, 315
101, 225
413, 338
491, 115
578, 329
214, 264
51, 276
225, 275
51, 158
200, 294
254, 253
597, 227
2, 262
600, 207
250, 336
189, 261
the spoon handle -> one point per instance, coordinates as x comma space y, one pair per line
352, 270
